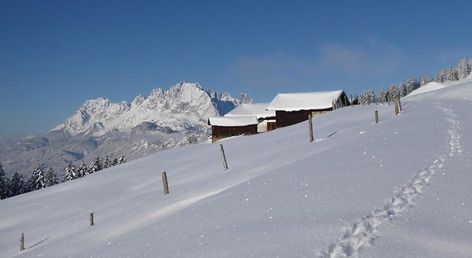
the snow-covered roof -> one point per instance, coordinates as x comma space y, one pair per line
258, 110
304, 101
233, 121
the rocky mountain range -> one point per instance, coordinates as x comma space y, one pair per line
164, 119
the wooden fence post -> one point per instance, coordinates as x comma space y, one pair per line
165, 183
376, 116
310, 126
395, 107
225, 163
91, 219
22, 242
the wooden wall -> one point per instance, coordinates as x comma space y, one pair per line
285, 118
220, 132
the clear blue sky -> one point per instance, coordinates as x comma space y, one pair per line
54, 55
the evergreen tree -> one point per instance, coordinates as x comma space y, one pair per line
451, 74
17, 184
51, 178
97, 165
393, 93
403, 90
115, 162
107, 162
37, 180
463, 69
442, 76
382, 97
122, 160
40, 179
83, 170
70, 172
411, 85
4, 184
369, 97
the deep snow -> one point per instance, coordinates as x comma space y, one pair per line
394, 189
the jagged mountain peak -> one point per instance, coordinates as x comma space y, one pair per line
178, 107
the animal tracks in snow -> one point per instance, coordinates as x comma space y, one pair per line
363, 232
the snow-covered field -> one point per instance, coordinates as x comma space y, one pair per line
400, 188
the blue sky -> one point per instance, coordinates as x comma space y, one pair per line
54, 55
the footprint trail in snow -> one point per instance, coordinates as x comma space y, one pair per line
363, 232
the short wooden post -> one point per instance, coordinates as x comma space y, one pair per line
376, 116
310, 126
165, 183
91, 219
22, 242
225, 163
395, 107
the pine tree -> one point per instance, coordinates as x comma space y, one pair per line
403, 90
36, 180
40, 179
17, 184
463, 69
382, 97
70, 172
83, 170
441, 76
4, 184
107, 162
411, 85
393, 93
115, 162
51, 178
451, 74
369, 97
122, 160
96, 165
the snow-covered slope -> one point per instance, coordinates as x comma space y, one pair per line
432, 86
162, 120
400, 188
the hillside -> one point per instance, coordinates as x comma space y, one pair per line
394, 189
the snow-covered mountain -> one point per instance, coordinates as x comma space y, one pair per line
399, 188
162, 120
183, 106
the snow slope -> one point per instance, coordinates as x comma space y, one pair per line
394, 189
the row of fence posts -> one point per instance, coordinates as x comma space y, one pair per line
397, 108
165, 182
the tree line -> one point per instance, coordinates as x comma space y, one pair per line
459, 72
40, 178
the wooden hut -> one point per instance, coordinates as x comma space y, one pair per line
222, 127
265, 118
293, 108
